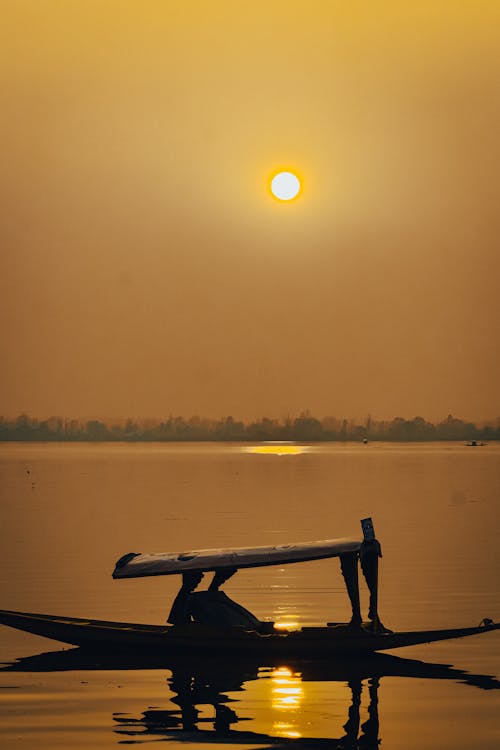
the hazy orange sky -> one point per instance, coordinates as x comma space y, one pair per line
145, 270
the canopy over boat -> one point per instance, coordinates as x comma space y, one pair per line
214, 607
136, 565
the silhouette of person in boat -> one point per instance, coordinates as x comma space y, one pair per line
214, 608
210, 607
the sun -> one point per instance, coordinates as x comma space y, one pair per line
285, 186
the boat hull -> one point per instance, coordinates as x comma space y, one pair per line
170, 640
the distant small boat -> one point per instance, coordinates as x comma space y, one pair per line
475, 443
207, 623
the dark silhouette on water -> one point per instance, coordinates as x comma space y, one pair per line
211, 607
209, 622
187, 725
379, 665
206, 682
215, 609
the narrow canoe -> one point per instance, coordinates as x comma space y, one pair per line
309, 642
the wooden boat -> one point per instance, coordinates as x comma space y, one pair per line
309, 642
208, 622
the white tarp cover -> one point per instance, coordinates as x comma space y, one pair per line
168, 563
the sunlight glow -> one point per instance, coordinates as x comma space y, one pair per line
281, 672
283, 729
286, 625
277, 449
287, 689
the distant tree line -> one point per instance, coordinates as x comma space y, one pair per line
304, 428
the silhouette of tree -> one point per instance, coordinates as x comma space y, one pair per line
304, 427
96, 430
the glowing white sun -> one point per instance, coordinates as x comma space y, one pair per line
285, 186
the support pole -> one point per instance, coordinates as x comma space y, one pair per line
349, 568
368, 554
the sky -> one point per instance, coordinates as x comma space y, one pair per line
145, 270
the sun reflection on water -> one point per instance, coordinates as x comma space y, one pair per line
277, 449
287, 692
284, 729
287, 625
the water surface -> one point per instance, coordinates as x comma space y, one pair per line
69, 511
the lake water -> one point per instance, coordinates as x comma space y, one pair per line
69, 511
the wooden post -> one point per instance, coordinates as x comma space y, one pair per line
349, 568
369, 553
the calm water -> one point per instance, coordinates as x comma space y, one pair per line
69, 511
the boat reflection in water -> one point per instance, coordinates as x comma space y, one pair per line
186, 724
208, 683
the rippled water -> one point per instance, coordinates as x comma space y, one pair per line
69, 511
